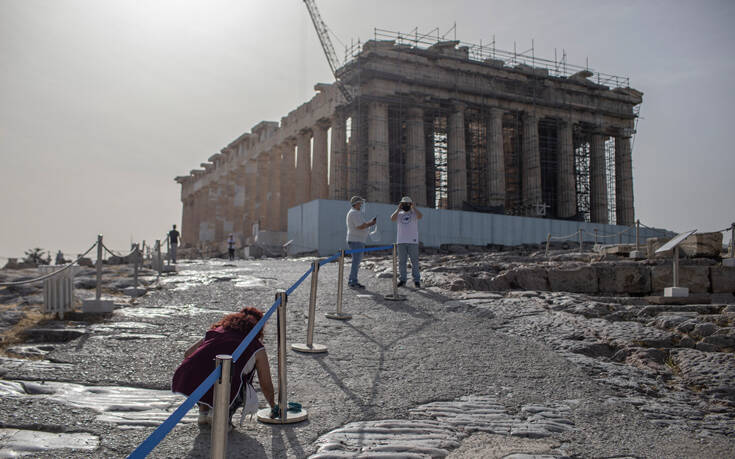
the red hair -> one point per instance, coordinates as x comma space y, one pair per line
242, 321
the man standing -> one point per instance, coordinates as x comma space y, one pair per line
173, 243
357, 234
231, 247
408, 216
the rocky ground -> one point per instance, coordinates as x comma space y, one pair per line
462, 368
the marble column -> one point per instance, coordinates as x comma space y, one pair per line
338, 159
566, 202
319, 166
378, 183
251, 173
495, 159
288, 174
302, 180
624, 209
261, 193
456, 159
598, 180
531, 194
354, 181
238, 202
416, 156
274, 190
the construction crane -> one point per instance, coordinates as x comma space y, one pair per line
323, 33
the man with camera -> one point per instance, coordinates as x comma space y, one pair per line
357, 234
408, 216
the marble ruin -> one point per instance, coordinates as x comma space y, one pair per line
453, 126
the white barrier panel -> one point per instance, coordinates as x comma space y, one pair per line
58, 291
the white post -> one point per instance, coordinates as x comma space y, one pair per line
98, 293
339, 315
581, 237
395, 296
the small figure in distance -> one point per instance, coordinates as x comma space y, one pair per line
408, 215
173, 243
223, 337
357, 234
231, 246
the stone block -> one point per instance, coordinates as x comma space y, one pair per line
695, 278
702, 245
621, 278
97, 306
676, 292
619, 249
526, 278
723, 279
578, 279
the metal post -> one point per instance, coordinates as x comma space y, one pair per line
168, 250
637, 235
548, 241
310, 347
282, 386
159, 260
339, 315
595, 236
732, 240
98, 293
285, 417
221, 415
676, 266
395, 296
136, 260
581, 237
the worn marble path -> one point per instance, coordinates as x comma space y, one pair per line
439, 374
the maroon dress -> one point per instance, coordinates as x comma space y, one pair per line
195, 368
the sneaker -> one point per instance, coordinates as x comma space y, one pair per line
401, 283
359, 285
417, 284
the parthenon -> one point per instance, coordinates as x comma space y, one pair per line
453, 126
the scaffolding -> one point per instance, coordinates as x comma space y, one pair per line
610, 177
488, 53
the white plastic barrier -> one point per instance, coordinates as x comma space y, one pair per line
58, 291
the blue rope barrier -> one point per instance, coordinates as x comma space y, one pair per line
298, 282
369, 249
329, 260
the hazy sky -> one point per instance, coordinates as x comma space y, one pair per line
104, 102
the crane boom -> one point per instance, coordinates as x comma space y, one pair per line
326, 42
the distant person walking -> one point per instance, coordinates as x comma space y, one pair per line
231, 247
357, 234
408, 216
173, 243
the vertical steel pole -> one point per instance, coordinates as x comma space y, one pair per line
221, 415
159, 261
732, 240
282, 385
136, 260
340, 280
548, 241
168, 250
312, 303
98, 293
395, 270
676, 266
595, 236
637, 235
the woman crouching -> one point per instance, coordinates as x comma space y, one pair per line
223, 338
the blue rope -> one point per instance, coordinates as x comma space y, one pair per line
329, 260
298, 282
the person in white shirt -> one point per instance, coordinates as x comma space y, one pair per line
408, 216
357, 234
231, 246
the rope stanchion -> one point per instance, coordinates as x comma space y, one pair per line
309, 346
221, 407
286, 414
116, 254
339, 315
46, 276
395, 296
